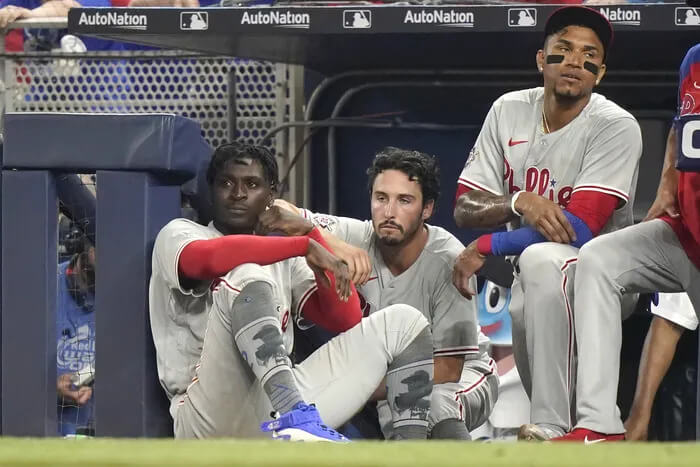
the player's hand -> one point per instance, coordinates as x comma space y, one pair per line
637, 428
546, 217
321, 260
665, 203
67, 392
279, 219
12, 13
286, 205
357, 259
468, 263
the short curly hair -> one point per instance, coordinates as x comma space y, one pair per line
232, 151
419, 166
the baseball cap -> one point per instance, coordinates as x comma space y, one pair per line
576, 15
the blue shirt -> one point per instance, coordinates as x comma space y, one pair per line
75, 329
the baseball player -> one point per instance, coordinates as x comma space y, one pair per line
658, 255
411, 262
221, 301
557, 165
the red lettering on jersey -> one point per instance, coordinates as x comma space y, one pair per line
543, 182
507, 171
689, 91
540, 181
285, 321
565, 196
531, 177
508, 174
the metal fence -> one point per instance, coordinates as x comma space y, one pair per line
192, 85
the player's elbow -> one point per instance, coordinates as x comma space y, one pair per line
462, 215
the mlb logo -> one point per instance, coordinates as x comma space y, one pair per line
522, 17
688, 133
194, 20
687, 16
357, 19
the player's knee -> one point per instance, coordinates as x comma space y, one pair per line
534, 258
594, 257
406, 334
404, 316
255, 300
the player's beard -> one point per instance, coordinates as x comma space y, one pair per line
569, 96
407, 234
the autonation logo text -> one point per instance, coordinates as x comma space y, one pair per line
283, 19
441, 17
624, 16
124, 20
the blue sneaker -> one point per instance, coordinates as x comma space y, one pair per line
302, 423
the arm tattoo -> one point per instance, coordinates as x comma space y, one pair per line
482, 210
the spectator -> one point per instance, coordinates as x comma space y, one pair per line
75, 329
47, 39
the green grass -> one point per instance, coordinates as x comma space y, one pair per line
99, 452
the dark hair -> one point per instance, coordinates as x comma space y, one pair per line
232, 151
419, 166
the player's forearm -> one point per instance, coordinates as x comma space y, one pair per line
325, 308
669, 173
657, 354
448, 369
482, 210
53, 8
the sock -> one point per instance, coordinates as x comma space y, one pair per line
282, 390
450, 429
409, 381
256, 330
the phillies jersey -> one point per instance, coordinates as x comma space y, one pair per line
426, 284
599, 150
687, 225
179, 315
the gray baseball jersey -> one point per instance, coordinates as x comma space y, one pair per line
179, 316
425, 285
597, 151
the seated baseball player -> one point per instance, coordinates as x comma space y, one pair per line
558, 166
222, 303
661, 254
411, 262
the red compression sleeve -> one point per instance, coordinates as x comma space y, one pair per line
209, 259
483, 244
593, 208
325, 308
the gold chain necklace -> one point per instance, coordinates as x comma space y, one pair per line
545, 124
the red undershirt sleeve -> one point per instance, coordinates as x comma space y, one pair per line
209, 259
593, 207
325, 308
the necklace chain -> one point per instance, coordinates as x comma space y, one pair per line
545, 123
